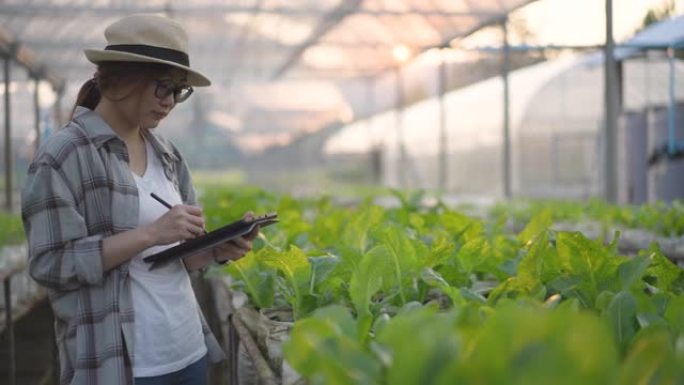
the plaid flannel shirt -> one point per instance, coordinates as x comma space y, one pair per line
79, 190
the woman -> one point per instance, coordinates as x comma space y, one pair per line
89, 219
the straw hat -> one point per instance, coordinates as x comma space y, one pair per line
150, 39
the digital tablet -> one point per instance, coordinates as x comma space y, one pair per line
210, 239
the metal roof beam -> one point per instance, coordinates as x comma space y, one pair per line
328, 22
494, 19
51, 10
80, 70
49, 45
24, 57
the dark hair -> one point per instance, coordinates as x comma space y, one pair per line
111, 74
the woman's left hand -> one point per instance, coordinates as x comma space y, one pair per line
236, 248
232, 250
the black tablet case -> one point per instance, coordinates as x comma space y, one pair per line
210, 239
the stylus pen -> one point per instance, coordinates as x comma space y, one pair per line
166, 204
160, 200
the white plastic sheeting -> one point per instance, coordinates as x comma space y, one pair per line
245, 44
556, 120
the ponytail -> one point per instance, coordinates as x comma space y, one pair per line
111, 74
88, 96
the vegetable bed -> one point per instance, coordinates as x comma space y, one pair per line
415, 295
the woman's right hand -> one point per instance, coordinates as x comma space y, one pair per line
178, 224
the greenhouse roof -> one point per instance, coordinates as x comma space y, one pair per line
252, 40
659, 36
667, 33
662, 35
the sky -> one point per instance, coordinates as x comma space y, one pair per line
582, 22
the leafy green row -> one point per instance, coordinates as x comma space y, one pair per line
658, 217
514, 343
414, 295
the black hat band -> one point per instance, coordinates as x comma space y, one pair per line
166, 54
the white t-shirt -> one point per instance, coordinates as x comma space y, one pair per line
168, 330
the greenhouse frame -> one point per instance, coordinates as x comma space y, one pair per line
370, 192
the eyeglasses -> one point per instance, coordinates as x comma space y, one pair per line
167, 87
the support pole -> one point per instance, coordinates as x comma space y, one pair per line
611, 110
506, 66
10, 331
8, 139
672, 105
36, 112
375, 148
443, 172
369, 95
401, 169
59, 119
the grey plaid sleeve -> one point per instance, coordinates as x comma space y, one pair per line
185, 182
61, 254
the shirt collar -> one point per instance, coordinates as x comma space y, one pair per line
159, 145
96, 128
99, 132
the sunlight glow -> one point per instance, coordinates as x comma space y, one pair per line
401, 53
